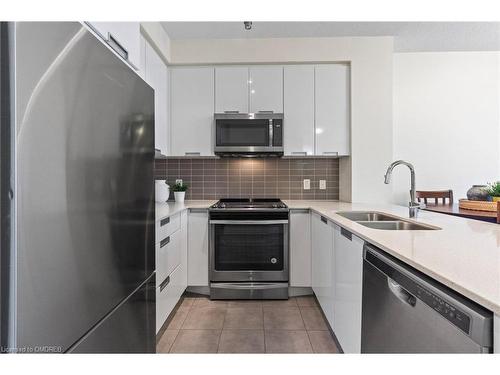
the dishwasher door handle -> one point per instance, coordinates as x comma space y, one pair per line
401, 293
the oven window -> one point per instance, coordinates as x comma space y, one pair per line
249, 247
240, 133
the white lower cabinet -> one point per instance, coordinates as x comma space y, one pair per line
300, 248
348, 288
168, 256
168, 294
171, 265
322, 263
198, 248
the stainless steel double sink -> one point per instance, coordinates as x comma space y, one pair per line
380, 220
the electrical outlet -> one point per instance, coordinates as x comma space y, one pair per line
307, 184
178, 181
322, 184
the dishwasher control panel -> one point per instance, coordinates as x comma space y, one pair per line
448, 311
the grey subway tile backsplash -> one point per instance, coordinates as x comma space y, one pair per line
255, 178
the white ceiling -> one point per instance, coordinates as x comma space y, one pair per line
408, 36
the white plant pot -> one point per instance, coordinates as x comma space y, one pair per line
162, 191
179, 196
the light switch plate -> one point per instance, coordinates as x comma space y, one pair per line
178, 181
322, 184
307, 184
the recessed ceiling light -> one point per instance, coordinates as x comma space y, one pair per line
248, 25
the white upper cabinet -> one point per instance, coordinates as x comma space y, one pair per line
141, 69
231, 89
332, 109
156, 75
192, 110
123, 37
266, 88
299, 109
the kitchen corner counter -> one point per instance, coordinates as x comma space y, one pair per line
464, 255
164, 210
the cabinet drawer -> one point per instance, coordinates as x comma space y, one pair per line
168, 293
165, 227
168, 256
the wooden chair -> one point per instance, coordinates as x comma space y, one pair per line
438, 194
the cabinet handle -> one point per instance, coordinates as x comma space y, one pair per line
324, 220
117, 47
265, 112
164, 221
346, 234
334, 153
192, 153
164, 283
231, 111
164, 242
299, 153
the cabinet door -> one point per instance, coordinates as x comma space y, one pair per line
156, 75
266, 89
299, 109
348, 284
184, 248
300, 248
231, 89
123, 37
198, 248
141, 69
332, 109
192, 110
322, 260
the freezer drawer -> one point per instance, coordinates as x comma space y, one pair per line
128, 329
405, 311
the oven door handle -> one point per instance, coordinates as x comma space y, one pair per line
244, 286
251, 222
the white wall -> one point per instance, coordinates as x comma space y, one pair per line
446, 120
371, 91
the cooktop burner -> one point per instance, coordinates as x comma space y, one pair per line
228, 203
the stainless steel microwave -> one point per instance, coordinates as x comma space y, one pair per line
248, 134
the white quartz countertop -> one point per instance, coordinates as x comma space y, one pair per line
464, 254
167, 209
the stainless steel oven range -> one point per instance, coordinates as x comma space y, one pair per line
248, 249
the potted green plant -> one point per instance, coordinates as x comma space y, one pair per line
494, 191
179, 190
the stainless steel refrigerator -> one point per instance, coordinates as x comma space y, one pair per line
77, 193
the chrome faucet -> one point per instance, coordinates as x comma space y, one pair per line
413, 206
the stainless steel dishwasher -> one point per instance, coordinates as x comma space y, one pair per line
405, 311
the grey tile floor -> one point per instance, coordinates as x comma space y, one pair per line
203, 326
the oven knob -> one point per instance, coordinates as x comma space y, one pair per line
273, 260
222, 205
